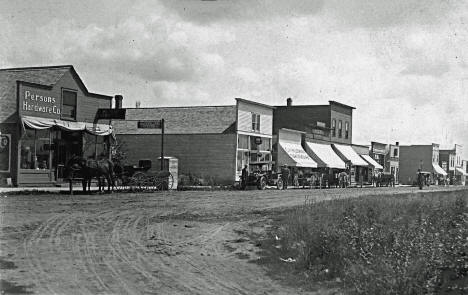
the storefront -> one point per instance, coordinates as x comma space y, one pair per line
55, 118
355, 165
327, 160
289, 152
373, 169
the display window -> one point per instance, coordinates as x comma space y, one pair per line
5, 152
36, 149
94, 147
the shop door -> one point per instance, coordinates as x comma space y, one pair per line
68, 144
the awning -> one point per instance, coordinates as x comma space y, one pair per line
372, 162
45, 123
348, 154
324, 155
292, 154
438, 169
460, 170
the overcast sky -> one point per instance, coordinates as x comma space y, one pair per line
402, 63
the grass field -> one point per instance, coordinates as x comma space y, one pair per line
406, 244
211, 242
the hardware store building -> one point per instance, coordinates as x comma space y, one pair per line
47, 115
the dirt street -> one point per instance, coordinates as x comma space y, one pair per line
145, 243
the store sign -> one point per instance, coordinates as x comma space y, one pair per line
39, 102
111, 114
150, 124
5, 150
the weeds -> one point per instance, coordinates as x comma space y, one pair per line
382, 245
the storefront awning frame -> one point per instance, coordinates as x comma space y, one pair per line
438, 169
372, 162
45, 123
324, 155
294, 155
348, 154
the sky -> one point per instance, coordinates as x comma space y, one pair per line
403, 64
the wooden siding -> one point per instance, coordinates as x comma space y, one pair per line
86, 105
202, 155
244, 117
13, 130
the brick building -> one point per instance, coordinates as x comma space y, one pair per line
327, 134
47, 115
424, 157
210, 142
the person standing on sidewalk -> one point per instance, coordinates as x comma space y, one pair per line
285, 176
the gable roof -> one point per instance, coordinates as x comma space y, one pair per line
45, 76
180, 120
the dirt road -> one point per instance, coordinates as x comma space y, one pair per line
145, 243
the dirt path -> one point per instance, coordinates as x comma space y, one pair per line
158, 243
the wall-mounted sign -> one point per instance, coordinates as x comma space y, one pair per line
150, 124
111, 114
39, 102
5, 151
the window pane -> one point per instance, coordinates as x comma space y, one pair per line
69, 98
243, 141
43, 148
27, 150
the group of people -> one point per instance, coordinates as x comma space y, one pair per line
295, 176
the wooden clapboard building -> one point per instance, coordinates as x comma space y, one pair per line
212, 143
47, 115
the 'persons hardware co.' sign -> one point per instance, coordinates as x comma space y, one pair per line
35, 102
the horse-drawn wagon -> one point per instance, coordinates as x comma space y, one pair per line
141, 177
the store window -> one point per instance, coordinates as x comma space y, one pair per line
94, 147
333, 127
5, 152
255, 122
69, 104
346, 130
242, 159
36, 149
265, 144
243, 142
340, 127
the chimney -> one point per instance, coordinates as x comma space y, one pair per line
289, 102
137, 104
397, 143
118, 101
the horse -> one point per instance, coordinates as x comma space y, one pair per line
343, 179
386, 179
89, 169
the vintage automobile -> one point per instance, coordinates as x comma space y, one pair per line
262, 178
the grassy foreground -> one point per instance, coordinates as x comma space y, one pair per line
411, 244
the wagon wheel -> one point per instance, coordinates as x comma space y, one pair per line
138, 179
279, 184
164, 183
261, 183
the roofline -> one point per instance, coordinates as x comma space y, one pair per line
238, 99
37, 68
341, 104
292, 130
74, 73
181, 107
303, 105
